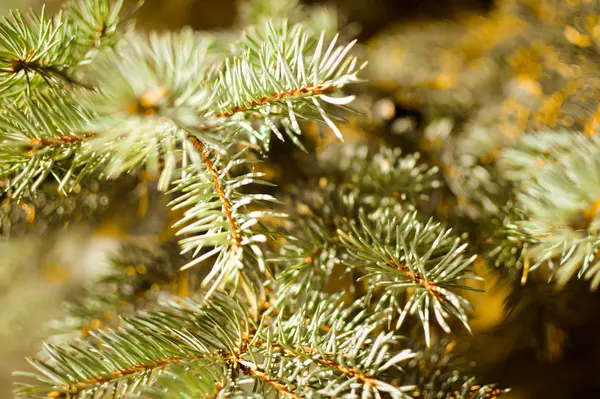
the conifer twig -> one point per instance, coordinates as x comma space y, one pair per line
236, 239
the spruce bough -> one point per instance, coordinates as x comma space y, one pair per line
86, 96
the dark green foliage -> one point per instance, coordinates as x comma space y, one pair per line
424, 257
204, 348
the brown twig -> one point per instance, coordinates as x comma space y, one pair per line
352, 373
236, 238
44, 142
418, 278
308, 352
74, 390
252, 369
42, 68
321, 88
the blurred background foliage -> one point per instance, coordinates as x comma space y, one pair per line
455, 79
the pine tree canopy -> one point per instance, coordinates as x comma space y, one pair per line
293, 260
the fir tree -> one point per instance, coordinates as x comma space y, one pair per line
352, 283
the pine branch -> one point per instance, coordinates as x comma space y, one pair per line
153, 91
220, 221
279, 76
150, 87
179, 334
236, 239
410, 255
384, 177
219, 335
308, 258
204, 378
352, 178
94, 26
436, 372
45, 140
560, 203
42, 143
507, 245
347, 356
35, 53
324, 348
40, 53
535, 151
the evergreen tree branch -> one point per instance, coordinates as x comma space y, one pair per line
205, 378
319, 89
559, 203
307, 258
220, 333
236, 239
324, 348
347, 355
179, 334
436, 371
33, 50
279, 76
38, 144
42, 141
381, 182
221, 222
409, 254
42, 53
153, 90
94, 24
253, 370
